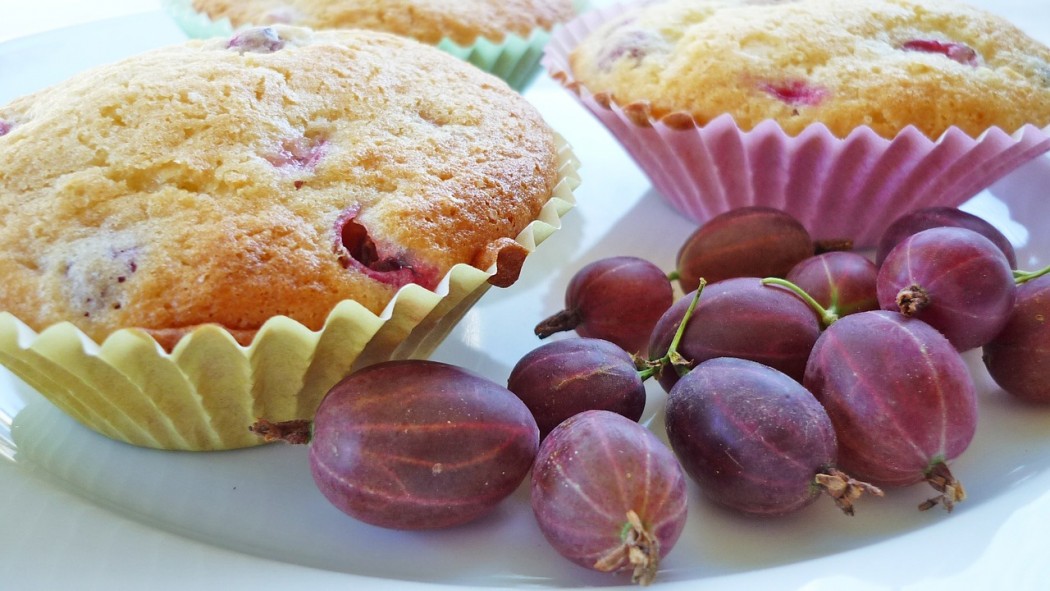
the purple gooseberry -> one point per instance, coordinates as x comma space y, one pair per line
952, 278
744, 242
936, 217
1018, 358
608, 495
755, 440
901, 399
380, 260
416, 444
617, 299
743, 318
840, 281
566, 377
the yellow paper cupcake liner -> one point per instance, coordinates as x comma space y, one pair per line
205, 393
515, 59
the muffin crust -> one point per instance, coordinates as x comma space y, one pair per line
886, 64
275, 173
463, 21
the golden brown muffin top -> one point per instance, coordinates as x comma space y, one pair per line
274, 173
846, 63
463, 21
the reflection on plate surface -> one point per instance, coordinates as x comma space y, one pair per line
82, 512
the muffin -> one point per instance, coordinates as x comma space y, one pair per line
505, 38
844, 113
217, 225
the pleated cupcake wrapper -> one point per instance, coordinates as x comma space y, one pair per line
851, 187
515, 59
205, 393
196, 25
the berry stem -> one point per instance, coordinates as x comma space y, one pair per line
647, 371
296, 432
911, 299
844, 489
672, 358
832, 245
672, 350
560, 322
827, 317
942, 480
1025, 276
640, 550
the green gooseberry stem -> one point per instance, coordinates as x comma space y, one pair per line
672, 357
827, 317
1024, 276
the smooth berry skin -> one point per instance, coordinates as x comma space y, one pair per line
935, 217
742, 318
743, 242
1018, 358
589, 472
750, 436
842, 282
900, 396
618, 299
420, 445
966, 283
566, 377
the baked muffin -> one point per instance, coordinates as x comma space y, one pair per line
884, 64
504, 37
428, 21
845, 113
280, 173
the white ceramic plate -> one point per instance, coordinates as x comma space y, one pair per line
78, 511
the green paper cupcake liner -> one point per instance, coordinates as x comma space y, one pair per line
209, 389
515, 59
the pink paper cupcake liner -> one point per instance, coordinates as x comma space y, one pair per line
851, 187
